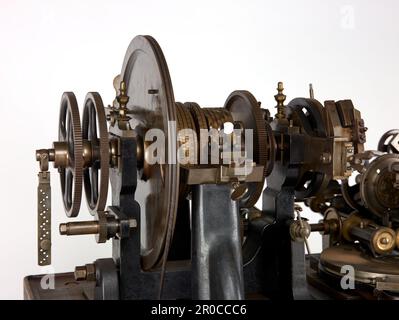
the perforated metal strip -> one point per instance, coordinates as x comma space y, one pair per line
44, 219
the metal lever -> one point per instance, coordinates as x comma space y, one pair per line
300, 230
305, 239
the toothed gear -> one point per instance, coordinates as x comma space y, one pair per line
69, 131
245, 108
94, 129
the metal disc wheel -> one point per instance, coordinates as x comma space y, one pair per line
152, 106
69, 131
94, 130
309, 114
244, 108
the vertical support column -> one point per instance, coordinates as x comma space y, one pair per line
126, 251
217, 270
299, 284
283, 259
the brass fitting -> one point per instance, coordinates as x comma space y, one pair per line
300, 230
85, 273
104, 227
61, 155
122, 98
383, 240
79, 228
280, 98
114, 152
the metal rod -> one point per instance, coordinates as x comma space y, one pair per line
302, 227
314, 227
311, 92
79, 228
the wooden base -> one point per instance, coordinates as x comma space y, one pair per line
65, 288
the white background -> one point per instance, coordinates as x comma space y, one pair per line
347, 49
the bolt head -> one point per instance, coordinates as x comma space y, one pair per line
80, 273
132, 223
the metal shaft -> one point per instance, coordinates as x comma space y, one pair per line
79, 228
320, 227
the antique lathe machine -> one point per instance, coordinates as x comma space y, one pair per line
185, 180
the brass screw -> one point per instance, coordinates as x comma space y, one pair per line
280, 98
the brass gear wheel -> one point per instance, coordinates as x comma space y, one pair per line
244, 108
94, 130
69, 131
200, 123
187, 142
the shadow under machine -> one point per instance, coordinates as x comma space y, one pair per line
185, 180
